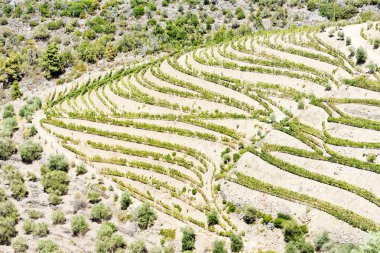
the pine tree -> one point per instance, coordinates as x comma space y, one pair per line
15, 90
51, 61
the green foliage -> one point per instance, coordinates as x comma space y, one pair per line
93, 196
47, 246
145, 216
361, 55
30, 107
30, 151
7, 148
81, 169
219, 247
79, 225
293, 231
8, 111
322, 240
299, 246
168, 233
250, 214
58, 217
55, 182
11, 68
237, 244
188, 239
52, 61
58, 162
100, 212
8, 220
40, 229
212, 218
34, 214
19, 245
138, 11
108, 240
125, 201
138, 247
15, 90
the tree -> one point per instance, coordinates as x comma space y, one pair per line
218, 247
10, 68
125, 200
30, 151
52, 61
145, 216
236, 243
15, 90
361, 55
188, 239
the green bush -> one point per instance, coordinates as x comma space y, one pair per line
237, 244
108, 240
79, 225
361, 55
188, 239
145, 216
293, 231
81, 169
33, 214
58, 217
250, 214
138, 11
8, 111
93, 196
30, 151
58, 162
299, 246
27, 226
19, 245
47, 246
7, 148
212, 218
8, 221
125, 201
138, 247
100, 212
219, 247
322, 240
40, 229
55, 182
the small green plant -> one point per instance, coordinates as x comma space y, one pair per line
212, 218
30, 151
125, 201
188, 239
81, 169
19, 245
145, 216
93, 196
237, 244
100, 212
58, 217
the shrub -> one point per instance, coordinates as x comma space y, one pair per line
47, 246
237, 244
145, 216
55, 182
293, 231
41, 33
8, 111
40, 229
93, 197
30, 151
212, 218
58, 217
8, 221
138, 247
250, 214
30, 131
100, 212
138, 11
79, 225
108, 240
81, 169
19, 245
372, 67
376, 43
27, 226
58, 162
33, 214
188, 239
299, 246
267, 218
15, 90
7, 148
348, 41
321, 240
218, 247
361, 55
125, 200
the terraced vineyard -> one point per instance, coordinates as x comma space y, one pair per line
279, 120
